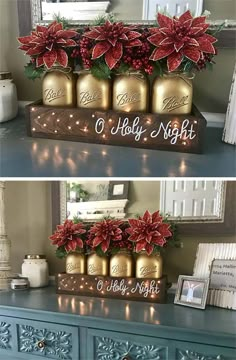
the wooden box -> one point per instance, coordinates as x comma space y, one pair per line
184, 133
150, 290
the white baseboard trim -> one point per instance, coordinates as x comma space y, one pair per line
213, 119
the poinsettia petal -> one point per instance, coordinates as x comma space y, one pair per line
204, 28
105, 245
193, 42
50, 58
24, 47
79, 243
174, 60
149, 249
66, 34
41, 29
209, 37
206, 46
25, 40
62, 57
140, 246
156, 217
133, 35
192, 54
69, 42
156, 38
123, 37
161, 53
199, 20
186, 16
113, 41
112, 57
178, 45
194, 31
36, 50
39, 61
166, 31
93, 34
100, 49
164, 21
97, 241
147, 217
133, 43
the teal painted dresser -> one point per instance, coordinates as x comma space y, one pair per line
39, 324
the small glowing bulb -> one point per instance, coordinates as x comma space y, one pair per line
33, 129
77, 122
149, 122
195, 121
85, 129
82, 279
93, 116
55, 131
39, 117
145, 139
58, 120
175, 125
53, 113
184, 142
104, 153
104, 136
81, 287
110, 120
32, 109
71, 115
69, 127
44, 125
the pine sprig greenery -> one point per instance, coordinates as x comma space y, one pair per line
32, 72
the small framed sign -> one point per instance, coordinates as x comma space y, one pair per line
223, 275
118, 190
191, 292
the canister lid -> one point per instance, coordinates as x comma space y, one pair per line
34, 256
5, 75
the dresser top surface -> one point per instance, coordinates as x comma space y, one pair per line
212, 320
23, 156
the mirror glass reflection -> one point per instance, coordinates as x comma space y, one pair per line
184, 201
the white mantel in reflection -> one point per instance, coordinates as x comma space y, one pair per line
5, 245
96, 210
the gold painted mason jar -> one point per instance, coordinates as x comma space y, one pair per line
121, 264
75, 263
172, 93
131, 92
93, 93
97, 265
148, 266
58, 87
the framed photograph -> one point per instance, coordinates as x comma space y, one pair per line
118, 190
192, 291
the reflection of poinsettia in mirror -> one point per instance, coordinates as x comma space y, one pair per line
48, 45
183, 42
68, 238
149, 232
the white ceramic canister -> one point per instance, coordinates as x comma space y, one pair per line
35, 268
8, 97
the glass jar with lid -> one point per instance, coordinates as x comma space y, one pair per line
8, 97
35, 268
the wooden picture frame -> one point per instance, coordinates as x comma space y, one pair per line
198, 302
118, 190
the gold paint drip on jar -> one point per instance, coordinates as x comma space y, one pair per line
97, 265
75, 263
148, 266
58, 87
121, 264
93, 93
172, 93
131, 92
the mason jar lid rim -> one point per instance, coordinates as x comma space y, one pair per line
34, 257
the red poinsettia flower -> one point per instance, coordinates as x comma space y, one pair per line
68, 236
47, 44
111, 40
104, 232
148, 231
177, 38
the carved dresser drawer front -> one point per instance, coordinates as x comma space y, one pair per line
6, 340
51, 341
190, 351
107, 346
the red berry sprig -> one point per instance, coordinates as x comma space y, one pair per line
86, 47
138, 57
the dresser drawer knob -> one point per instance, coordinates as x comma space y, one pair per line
41, 344
126, 357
